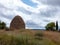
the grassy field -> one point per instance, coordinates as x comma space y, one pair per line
29, 37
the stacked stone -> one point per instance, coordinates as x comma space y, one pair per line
17, 23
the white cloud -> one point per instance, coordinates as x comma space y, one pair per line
40, 15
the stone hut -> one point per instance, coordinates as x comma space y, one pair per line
17, 23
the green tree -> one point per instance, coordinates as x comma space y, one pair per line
56, 25
2, 25
50, 26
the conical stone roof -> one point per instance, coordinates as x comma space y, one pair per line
17, 23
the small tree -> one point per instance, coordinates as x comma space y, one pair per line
50, 26
56, 25
2, 25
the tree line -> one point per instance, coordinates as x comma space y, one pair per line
50, 26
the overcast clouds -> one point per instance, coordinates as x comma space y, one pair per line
36, 13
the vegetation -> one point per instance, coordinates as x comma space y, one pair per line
39, 35
50, 26
24, 38
2, 25
56, 25
29, 37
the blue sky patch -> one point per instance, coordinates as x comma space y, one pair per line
29, 2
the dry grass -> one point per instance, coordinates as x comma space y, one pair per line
54, 36
49, 36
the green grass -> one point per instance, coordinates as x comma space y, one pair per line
25, 39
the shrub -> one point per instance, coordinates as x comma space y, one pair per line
39, 35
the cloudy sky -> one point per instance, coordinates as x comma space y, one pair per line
35, 13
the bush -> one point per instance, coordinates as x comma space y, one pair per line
39, 35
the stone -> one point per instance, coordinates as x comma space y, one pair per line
17, 23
